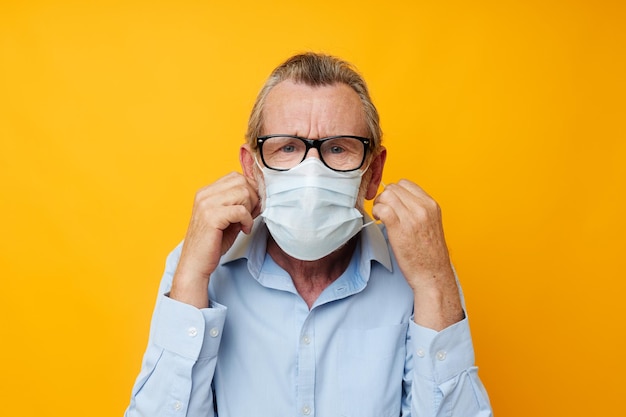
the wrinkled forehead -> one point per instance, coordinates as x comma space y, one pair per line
313, 111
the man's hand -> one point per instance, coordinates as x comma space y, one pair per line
415, 230
221, 210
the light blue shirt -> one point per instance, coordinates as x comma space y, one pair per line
259, 351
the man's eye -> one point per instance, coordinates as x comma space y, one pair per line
336, 149
288, 149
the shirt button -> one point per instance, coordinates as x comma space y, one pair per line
306, 340
192, 331
420, 352
441, 355
214, 332
178, 405
306, 410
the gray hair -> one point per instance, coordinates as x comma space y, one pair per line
316, 70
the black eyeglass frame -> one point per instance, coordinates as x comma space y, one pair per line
317, 144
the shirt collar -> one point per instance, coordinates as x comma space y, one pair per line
253, 246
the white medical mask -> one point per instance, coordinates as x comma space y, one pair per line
310, 209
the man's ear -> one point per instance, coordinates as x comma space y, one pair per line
376, 168
247, 161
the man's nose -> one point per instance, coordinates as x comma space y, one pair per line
312, 152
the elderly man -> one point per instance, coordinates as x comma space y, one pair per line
285, 299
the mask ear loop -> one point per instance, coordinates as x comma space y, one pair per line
256, 160
374, 221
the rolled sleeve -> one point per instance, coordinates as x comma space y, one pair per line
187, 331
178, 366
445, 382
440, 356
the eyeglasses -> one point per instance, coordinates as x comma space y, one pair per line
339, 153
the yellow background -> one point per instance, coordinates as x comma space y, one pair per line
510, 113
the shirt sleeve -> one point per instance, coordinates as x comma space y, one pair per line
442, 379
178, 365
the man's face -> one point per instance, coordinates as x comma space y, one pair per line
314, 113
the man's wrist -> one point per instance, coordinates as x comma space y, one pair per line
437, 308
190, 289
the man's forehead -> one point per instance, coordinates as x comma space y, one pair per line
329, 109
290, 89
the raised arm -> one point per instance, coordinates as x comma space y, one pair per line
440, 379
178, 365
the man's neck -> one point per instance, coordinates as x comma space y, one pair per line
312, 277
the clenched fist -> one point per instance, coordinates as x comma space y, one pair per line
415, 230
220, 211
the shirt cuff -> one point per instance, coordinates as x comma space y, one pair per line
186, 330
440, 356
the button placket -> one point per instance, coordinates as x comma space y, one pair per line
305, 379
